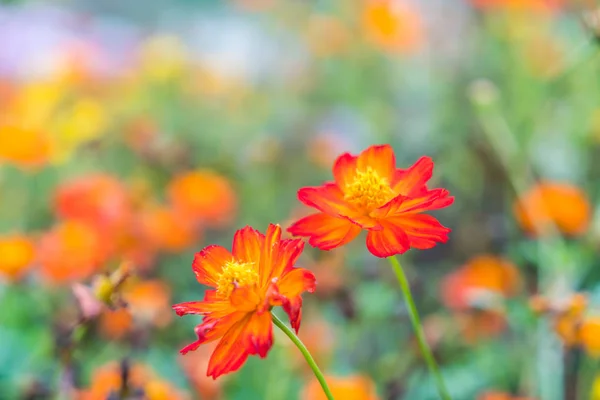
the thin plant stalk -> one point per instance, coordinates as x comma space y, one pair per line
418, 328
309, 359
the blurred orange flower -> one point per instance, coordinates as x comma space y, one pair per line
561, 204
150, 302
165, 229
393, 25
100, 200
195, 366
589, 334
71, 251
476, 325
257, 275
204, 196
355, 387
111, 378
115, 324
22, 147
481, 277
16, 255
567, 315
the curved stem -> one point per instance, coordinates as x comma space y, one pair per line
418, 328
309, 359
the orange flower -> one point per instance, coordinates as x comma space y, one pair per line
477, 325
23, 147
114, 324
99, 200
166, 229
205, 196
71, 251
482, 277
561, 204
567, 314
17, 253
355, 387
370, 193
257, 275
112, 378
393, 25
589, 334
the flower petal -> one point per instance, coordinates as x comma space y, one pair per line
244, 298
328, 199
231, 352
288, 252
211, 305
247, 245
431, 200
344, 170
325, 232
209, 262
296, 281
389, 241
211, 329
293, 308
409, 181
379, 158
423, 231
258, 334
270, 252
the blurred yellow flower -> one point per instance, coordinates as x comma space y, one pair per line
17, 253
23, 147
162, 58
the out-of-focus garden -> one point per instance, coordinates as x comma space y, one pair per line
133, 134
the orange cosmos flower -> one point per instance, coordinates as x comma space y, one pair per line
393, 25
355, 387
370, 193
17, 253
204, 196
165, 229
589, 334
71, 251
561, 204
257, 275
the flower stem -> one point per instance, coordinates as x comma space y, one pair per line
418, 328
309, 359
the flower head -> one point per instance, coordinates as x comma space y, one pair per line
18, 252
247, 282
370, 193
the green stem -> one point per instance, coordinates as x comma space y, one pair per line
309, 359
418, 328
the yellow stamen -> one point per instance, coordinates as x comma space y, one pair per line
368, 190
235, 274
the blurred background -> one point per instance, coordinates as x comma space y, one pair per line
134, 133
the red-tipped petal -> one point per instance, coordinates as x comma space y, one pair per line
379, 158
389, 241
344, 170
247, 245
231, 352
325, 232
209, 262
259, 334
287, 253
296, 281
423, 231
293, 308
328, 199
409, 182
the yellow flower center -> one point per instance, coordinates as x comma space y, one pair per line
368, 191
235, 274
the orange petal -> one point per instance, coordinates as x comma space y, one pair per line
409, 181
288, 252
209, 262
344, 170
423, 231
379, 158
247, 245
244, 298
296, 281
259, 334
389, 241
325, 232
211, 305
211, 329
270, 253
328, 199
431, 200
231, 353
293, 308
